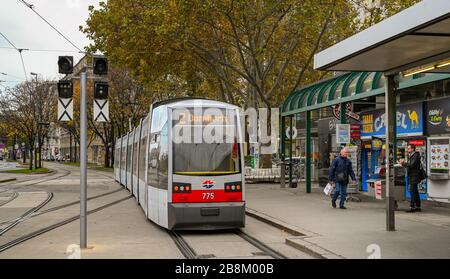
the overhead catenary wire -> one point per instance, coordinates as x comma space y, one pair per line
52, 26
20, 54
46, 50
13, 76
9, 41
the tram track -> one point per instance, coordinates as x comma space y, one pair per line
184, 247
13, 197
24, 238
189, 252
40, 180
34, 212
27, 213
260, 245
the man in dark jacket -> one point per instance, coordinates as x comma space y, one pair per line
413, 169
340, 170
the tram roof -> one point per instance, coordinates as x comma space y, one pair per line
193, 101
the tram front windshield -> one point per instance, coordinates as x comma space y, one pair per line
209, 145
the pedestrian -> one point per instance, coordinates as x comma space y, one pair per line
413, 169
340, 170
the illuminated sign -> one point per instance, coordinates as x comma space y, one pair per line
409, 121
438, 116
190, 118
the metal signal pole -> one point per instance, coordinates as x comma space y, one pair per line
83, 161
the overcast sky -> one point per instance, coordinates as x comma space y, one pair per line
25, 29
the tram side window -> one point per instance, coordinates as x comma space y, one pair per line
122, 161
116, 157
163, 166
129, 158
153, 162
135, 157
142, 157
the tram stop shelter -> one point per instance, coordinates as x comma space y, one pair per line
414, 41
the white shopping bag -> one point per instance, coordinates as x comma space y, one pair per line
328, 189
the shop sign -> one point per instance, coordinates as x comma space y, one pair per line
377, 144
355, 131
409, 121
438, 116
348, 112
342, 133
417, 142
327, 125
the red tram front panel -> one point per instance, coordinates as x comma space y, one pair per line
209, 192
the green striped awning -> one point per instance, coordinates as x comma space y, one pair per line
347, 88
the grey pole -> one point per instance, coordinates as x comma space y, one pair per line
83, 159
391, 125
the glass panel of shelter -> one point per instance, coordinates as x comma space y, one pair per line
367, 84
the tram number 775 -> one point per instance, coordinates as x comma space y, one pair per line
208, 196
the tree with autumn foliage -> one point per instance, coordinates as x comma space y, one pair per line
249, 53
24, 106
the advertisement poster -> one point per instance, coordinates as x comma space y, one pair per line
342, 133
409, 121
439, 157
378, 190
438, 116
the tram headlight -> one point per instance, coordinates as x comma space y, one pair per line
233, 186
181, 188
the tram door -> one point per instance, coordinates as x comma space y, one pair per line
152, 178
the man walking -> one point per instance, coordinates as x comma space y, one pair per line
413, 166
340, 170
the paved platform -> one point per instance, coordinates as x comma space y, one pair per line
357, 232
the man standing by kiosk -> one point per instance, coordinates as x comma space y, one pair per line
415, 175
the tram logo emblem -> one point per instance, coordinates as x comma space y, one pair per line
208, 184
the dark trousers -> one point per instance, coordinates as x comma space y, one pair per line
342, 190
415, 198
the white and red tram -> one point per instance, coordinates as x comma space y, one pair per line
184, 165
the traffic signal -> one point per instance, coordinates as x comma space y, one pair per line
101, 90
100, 66
65, 89
65, 64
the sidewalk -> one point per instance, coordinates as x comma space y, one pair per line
348, 233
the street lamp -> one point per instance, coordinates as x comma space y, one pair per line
38, 132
